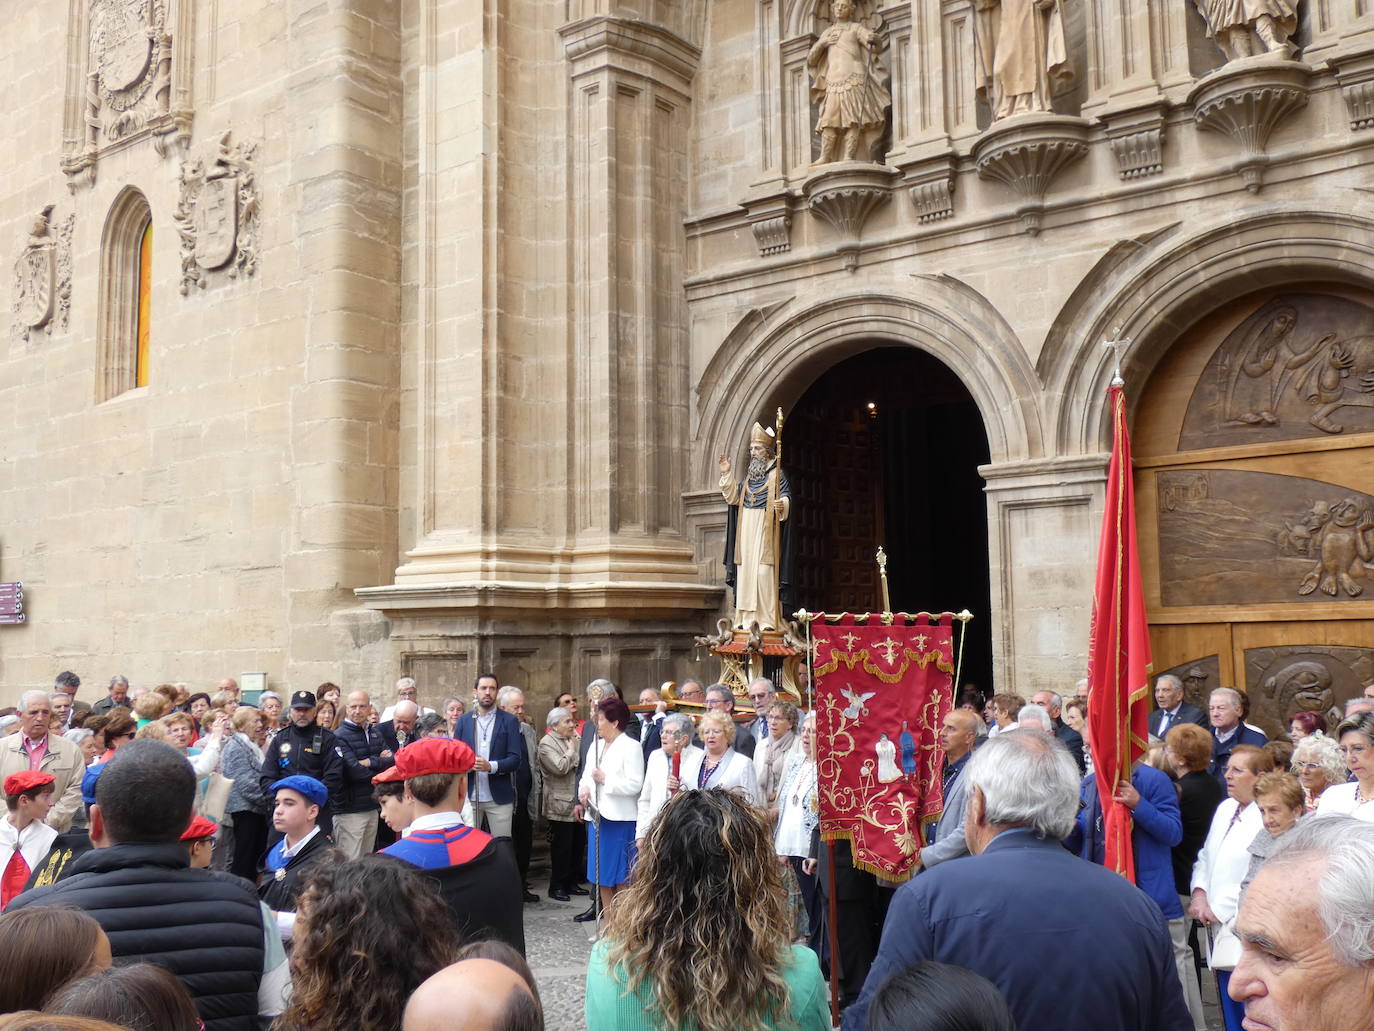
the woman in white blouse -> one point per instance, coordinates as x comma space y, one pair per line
659, 782
1221, 867
1356, 736
719, 765
775, 752
609, 796
797, 817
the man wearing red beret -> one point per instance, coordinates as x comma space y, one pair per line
476, 872
24, 837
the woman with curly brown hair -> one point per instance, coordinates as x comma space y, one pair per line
368, 933
700, 937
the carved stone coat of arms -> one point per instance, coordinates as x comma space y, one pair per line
216, 217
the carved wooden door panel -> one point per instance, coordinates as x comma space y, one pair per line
1255, 502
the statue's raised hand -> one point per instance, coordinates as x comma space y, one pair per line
724, 466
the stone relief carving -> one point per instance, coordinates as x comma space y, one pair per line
1250, 28
1285, 680
1199, 677
849, 82
1021, 55
130, 84
1228, 537
1337, 535
217, 214
1302, 365
43, 277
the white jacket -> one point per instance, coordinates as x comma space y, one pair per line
623, 763
654, 795
735, 772
1221, 866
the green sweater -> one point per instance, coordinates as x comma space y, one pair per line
608, 1008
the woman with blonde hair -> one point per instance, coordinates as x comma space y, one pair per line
719, 765
700, 939
773, 754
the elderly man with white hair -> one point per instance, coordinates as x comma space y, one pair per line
1225, 706
406, 691
1034, 717
1306, 927
1114, 963
36, 748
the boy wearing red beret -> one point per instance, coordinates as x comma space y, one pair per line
24, 837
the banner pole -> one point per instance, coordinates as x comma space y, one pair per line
963, 616
833, 933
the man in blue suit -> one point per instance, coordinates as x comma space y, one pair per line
1114, 966
494, 736
1225, 708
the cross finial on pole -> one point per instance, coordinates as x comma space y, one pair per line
1118, 343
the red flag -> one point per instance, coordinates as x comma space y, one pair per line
882, 692
1118, 649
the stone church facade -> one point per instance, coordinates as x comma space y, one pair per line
447, 309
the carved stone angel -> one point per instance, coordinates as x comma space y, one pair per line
850, 84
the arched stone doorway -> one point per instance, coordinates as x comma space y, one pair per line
1254, 442
884, 448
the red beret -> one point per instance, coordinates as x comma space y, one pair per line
26, 780
200, 828
428, 755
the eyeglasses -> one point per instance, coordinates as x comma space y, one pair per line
1307, 766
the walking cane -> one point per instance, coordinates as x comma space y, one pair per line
596, 867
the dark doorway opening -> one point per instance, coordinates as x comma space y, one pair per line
884, 448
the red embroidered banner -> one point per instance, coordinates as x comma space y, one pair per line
881, 692
1118, 649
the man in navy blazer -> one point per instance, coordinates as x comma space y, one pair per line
1225, 709
1173, 710
1114, 967
494, 736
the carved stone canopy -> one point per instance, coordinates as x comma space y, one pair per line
1025, 153
1245, 100
845, 194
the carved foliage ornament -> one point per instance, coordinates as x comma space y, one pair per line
217, 214
43, 277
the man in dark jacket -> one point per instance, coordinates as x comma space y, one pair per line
205, 927
302, 747
1225, 709
1053, 704
494, 737
365, 754
303, 845
476, 873
1114, 962
1173, 710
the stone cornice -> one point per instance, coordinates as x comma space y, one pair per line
492, 598
627, 45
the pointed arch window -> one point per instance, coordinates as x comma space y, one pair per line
126, 295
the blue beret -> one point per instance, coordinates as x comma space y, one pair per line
303, 785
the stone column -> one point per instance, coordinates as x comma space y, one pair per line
342, 121
1040, 514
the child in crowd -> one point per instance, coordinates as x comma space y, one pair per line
24, 837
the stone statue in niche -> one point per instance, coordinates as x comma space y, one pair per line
43, 276
1249, 28
1022, 58
1338, 536
850, 84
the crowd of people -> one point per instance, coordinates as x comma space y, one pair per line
173, 860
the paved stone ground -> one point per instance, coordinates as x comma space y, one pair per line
557, 949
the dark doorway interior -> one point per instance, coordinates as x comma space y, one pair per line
885, 448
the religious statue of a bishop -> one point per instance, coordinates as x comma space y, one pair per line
757, 561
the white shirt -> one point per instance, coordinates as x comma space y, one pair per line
1221, 867
437, 822
735, 772
33, 842
1339, 800
486, 727
654, 795
290, 851
622, 761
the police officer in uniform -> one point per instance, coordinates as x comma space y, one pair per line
306, 749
